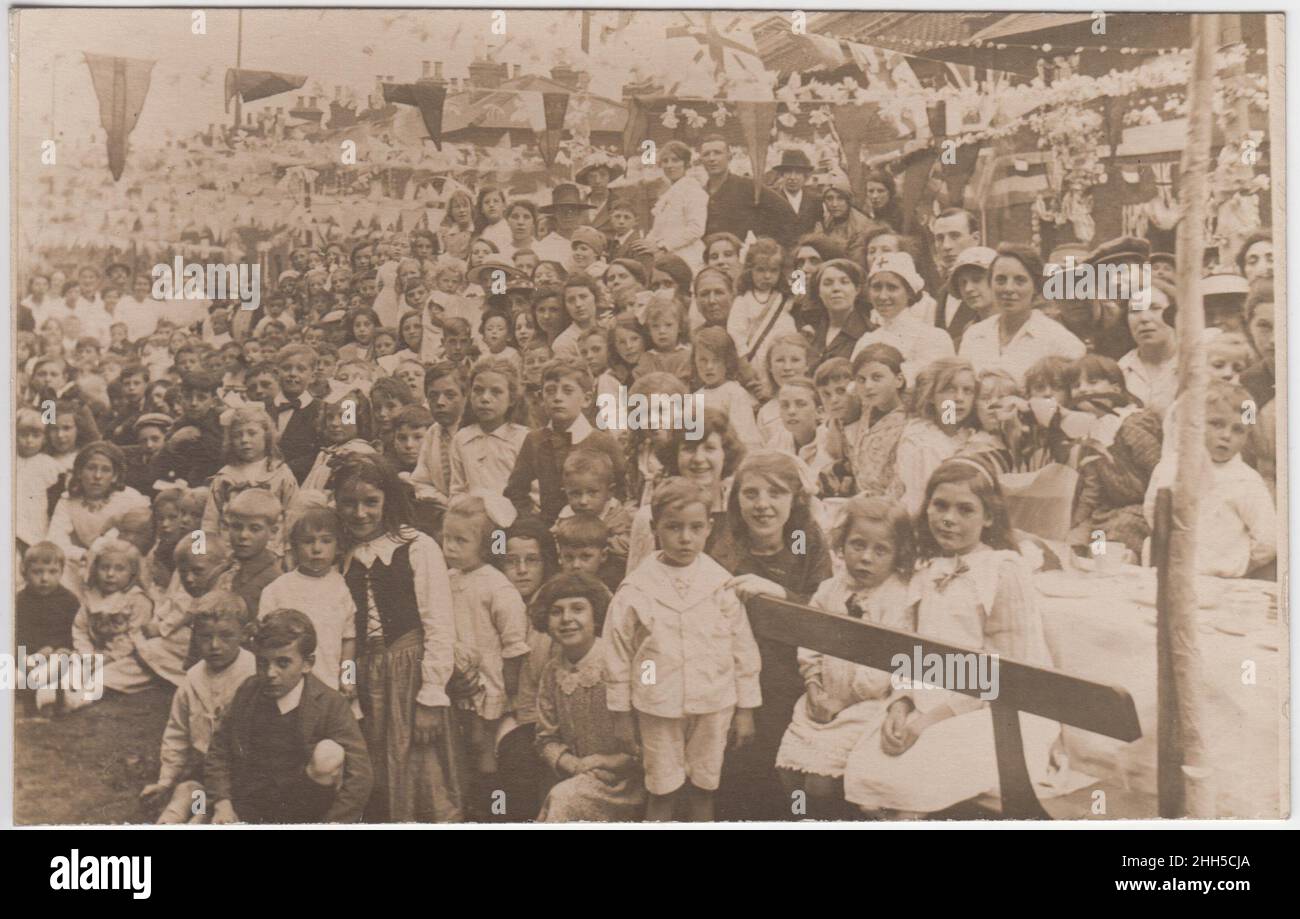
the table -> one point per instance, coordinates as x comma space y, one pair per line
1102, 626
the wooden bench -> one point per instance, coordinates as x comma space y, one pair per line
1096, 707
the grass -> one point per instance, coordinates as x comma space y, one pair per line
89, 766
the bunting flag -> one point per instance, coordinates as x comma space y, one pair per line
251, 85
554, 107
856, 126
637, 127
427, 97
756, 120
121, 84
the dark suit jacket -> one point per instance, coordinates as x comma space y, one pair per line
805, 221
323, 713
299, 442
541, 460
964, 317
732, 210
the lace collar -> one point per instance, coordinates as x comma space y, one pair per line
585, 674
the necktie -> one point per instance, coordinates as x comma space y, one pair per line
444, 458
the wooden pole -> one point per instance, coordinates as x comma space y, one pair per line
1180, 638
239, 62
1276, 32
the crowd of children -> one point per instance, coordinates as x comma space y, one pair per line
375, 538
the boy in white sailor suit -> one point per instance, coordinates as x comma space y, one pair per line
682, 666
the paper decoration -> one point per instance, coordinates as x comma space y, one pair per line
427, 97
121, 84
252, 85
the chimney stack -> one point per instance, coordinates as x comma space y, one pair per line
484, 74
566, 76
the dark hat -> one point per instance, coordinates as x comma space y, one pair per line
794, 159
155, 419
202, 380
1163, 257
565, 195
614, 166
1119, 251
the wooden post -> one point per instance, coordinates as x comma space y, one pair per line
1169, 747
1181, 636
239, 62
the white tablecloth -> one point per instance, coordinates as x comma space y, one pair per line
1103, 627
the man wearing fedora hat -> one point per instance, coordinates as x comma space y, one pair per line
731, 199
1101, 323
801, 208
570, 212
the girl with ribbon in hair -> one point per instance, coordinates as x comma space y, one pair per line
935, 748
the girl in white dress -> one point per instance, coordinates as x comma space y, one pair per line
716, 367
846, 701
935, 748
943, 424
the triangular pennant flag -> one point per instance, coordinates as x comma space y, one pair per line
554, 107
121, 84
756, 119
637, 128
427, 97
252, 85
853, 123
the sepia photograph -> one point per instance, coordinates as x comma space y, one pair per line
625, 416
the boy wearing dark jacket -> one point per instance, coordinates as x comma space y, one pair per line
289, 750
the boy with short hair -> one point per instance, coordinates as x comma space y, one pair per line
530, 411
252, 520
220, 624
588, 482
288, 750
192, 452
409, 428
566, 394
1238, 520
676, 612
582, 541
295, 411
316, 586
44, 609
132, 383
